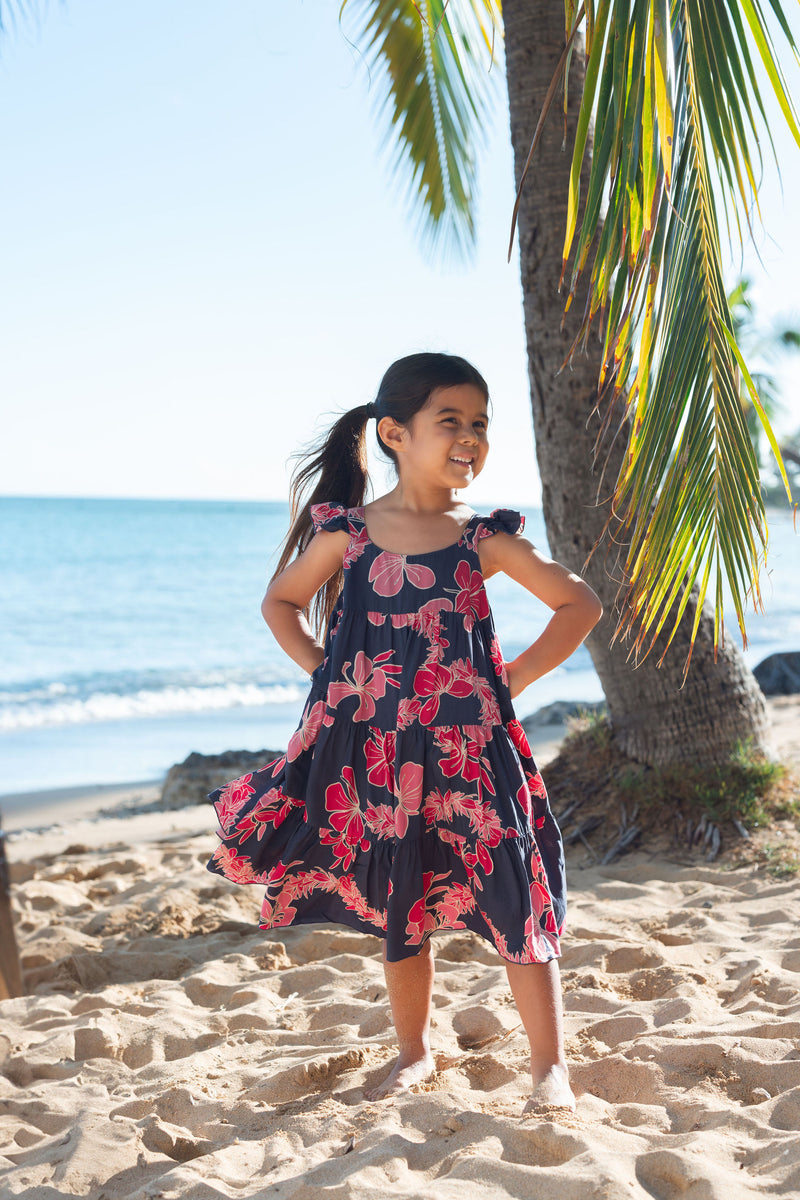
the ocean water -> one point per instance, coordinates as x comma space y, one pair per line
130, 635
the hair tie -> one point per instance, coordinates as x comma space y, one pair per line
371, 410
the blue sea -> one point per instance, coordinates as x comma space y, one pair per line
130, 635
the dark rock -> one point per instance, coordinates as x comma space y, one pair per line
190, 782
779, 674
560, 710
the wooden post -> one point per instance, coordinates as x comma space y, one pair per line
10, 970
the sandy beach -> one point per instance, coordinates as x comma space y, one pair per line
167, 1048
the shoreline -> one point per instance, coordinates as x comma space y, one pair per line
42, 809
50, 820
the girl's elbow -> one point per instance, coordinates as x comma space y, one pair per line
268, 606
592, 607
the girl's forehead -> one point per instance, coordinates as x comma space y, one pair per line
460, 397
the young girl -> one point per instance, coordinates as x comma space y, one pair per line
408, 801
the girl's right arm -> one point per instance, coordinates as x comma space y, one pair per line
292, 590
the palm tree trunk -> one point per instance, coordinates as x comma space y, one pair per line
654, 718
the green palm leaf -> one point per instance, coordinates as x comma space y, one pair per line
436, 59
675, 124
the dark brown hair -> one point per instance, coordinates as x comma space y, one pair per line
334, 469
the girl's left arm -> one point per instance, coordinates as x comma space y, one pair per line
576, 608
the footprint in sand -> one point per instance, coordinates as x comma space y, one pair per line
176, 1143
476, 1027
486, 1072
629, 958
543, 1144
615, 1031
618, 1080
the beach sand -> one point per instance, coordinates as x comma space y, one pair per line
168, 1048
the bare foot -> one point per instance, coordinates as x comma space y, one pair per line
551, 1091
404, 1074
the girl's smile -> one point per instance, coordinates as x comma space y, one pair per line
447, 440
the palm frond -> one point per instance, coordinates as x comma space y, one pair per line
432, 60
672, 91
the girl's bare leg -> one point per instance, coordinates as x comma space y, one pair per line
536, 988
410, 987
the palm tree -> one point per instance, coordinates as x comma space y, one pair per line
668, 88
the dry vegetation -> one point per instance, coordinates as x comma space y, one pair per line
747, 812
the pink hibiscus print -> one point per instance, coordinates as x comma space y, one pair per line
536, 785
517, 735
321, 513
408, 794
379, 752
434, 681
463, 757
388, 571
355, 547
231, 799
341, 801
380, 819
305, 737
367, 680
235, 866
496, 655
408, 711
471, 599
421, 918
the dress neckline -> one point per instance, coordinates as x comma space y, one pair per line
421, 554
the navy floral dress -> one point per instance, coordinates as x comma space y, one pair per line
407, 800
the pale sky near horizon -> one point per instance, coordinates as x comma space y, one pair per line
203, 251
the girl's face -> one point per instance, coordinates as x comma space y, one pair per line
446, 442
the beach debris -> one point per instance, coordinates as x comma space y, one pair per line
700, 829
716, 842
567, 813
622, 843
740, 828
351, 1145
580, 831
628, 833
759, 1095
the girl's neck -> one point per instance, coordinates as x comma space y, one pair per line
419, 499
416, 522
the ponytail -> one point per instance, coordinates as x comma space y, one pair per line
338, 463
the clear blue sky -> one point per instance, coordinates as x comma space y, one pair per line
203, 250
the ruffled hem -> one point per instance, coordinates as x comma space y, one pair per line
462, 888
401, 855
332, 518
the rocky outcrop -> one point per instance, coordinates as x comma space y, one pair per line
779, 674
560, 711
190, 782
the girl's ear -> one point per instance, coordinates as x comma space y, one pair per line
392, 434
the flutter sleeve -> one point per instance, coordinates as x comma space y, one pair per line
332, 518
502, 520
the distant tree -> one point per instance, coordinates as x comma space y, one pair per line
762, 345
